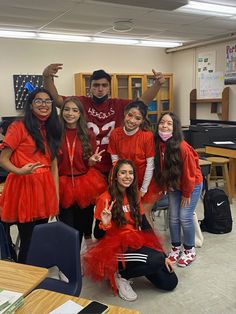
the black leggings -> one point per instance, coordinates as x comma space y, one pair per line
79, 218
153, 269
25, 232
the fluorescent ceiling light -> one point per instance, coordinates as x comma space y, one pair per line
62, 37
75, 38
209, 8
17, 34
161, 44
116, 41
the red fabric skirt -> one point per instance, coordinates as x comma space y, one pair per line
28, 197
86, 189
100, 262
153, 193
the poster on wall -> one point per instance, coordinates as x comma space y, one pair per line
230, 75
206, 62
211, 85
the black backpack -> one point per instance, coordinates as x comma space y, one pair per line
217, 213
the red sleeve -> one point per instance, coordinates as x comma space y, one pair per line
189, 169
149, 145
112, 149
14, 135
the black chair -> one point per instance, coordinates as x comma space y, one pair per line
57, 244
162, 205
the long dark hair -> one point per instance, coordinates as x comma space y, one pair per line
143, 109
170, 175
82, 129
117, 196
52, 126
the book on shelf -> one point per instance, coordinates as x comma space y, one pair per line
10, 301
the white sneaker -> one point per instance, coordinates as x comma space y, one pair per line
125, 290
187, 257
174, 254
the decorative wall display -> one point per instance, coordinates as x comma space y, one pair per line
206, 62
23, 85
211, 85
230, 75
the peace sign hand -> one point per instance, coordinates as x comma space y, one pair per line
106, 213
96, 157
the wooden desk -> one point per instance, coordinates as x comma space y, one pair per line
226, 151
43, 301
20, 277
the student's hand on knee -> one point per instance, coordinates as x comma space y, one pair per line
169, 265
52, 69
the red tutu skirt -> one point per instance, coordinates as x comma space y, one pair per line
28, 197
86, 189
100, 262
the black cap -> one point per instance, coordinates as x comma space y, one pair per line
99, 74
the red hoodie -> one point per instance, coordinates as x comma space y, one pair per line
191, 171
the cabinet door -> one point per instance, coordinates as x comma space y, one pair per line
165, 96
82, 84
121, 86
153, 105
164, 100
136, 86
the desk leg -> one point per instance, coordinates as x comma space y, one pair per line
232, 174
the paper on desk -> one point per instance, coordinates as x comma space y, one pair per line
69, 307
224, 142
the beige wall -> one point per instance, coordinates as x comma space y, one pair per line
184, 69
30, 57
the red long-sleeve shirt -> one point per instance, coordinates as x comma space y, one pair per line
191, 171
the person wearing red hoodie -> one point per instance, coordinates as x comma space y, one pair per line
177, 172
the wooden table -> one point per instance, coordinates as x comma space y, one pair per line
229, 151
43, 301
20, 277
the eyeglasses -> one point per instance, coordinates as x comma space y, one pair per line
96, 85
40, 101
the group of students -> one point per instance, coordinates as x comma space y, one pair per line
60, 167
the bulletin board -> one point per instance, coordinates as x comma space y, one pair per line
23, 85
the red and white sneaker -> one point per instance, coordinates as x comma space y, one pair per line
174, 254
187, 257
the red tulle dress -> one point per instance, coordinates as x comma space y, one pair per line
100, 262
27, 197
78, 183
137, 147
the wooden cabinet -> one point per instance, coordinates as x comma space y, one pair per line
132, 86
218, 105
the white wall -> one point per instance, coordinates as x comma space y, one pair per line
31, 57
184, 69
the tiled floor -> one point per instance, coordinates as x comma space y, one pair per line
206, 286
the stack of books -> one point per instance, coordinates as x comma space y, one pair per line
10, 301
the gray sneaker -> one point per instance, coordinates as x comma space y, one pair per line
125, 290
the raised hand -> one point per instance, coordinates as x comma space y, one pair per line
96, 157
159, 77
30, 168
52, 69
106, 213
